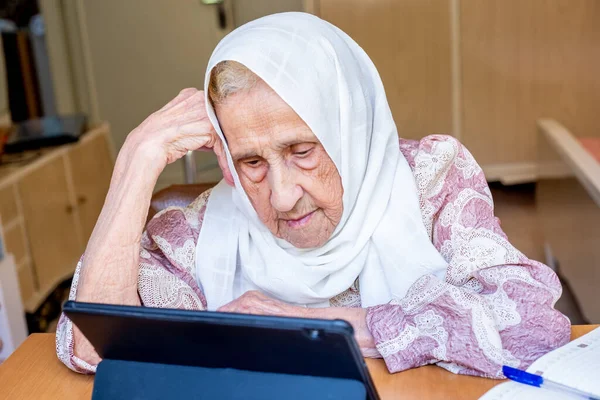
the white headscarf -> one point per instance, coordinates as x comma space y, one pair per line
332, 84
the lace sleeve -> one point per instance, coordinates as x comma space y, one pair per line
166, 272
64, 335
167, 277
494, 307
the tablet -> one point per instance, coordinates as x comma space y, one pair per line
295, 346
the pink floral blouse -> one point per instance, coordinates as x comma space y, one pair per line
494, 308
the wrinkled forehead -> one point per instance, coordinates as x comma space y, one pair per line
258, 122
299, 69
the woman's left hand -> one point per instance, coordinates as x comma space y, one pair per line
255, 302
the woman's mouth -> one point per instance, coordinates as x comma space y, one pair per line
300, 222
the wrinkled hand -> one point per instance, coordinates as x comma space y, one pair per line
180, 126
255, 302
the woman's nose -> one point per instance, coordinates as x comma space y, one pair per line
285, 192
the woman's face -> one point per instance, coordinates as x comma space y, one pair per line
292, 183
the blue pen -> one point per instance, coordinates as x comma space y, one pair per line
536, 380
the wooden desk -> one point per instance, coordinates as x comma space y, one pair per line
34, 372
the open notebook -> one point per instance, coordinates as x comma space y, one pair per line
576, 364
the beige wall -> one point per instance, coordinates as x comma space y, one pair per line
482, 70
409, 42
522, 60
247, 10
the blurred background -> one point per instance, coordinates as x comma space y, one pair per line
518, 82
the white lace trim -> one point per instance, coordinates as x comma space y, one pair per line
473, 249
483, 324
430, 171
159, 288
453, 210
428, 324
500, 275
64, 335
399, 343
467, 164
449, 366
432, 167
349, 298
183, 256
423, 292
431, 325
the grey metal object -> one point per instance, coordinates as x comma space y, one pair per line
189, 167
221, 11
42, 64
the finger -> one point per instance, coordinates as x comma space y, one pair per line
226, 308
197, 128
180, 147
194, 101
254, 294
183, 94
195, 143
192, 107
181, 115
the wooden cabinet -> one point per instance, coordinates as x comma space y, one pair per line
49, 207
27, 282
50, 222
91, 169
8, 203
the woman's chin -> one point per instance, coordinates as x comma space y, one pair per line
312, 233
302, 243
307, 237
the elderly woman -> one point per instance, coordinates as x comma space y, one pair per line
323, 213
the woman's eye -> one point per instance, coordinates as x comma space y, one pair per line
252, 163
302, 151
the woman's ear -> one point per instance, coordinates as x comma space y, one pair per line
222, 159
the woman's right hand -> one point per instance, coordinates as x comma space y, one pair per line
110, 268
169, 133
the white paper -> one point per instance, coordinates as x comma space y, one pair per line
576, 365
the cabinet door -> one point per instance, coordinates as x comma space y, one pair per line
51, 225
91, 168
27, 285
8, 205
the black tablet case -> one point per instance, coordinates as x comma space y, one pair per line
219, 356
